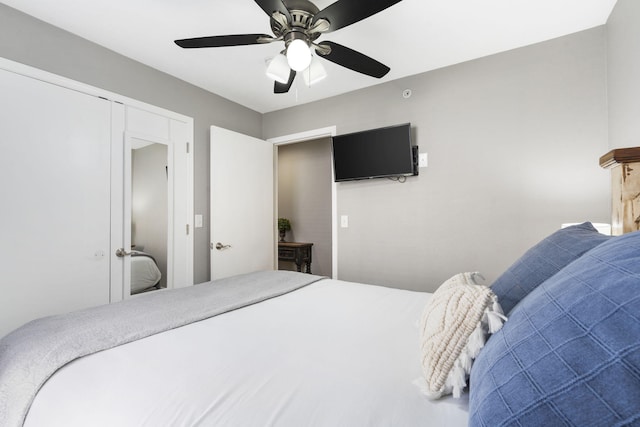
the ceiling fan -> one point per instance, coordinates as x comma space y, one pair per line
299, 23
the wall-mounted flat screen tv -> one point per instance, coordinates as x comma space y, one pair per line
375, 153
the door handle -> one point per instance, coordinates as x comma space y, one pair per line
220, 246
121, 252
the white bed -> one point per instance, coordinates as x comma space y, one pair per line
292, 349
332, 353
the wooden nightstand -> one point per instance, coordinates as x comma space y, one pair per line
296, 252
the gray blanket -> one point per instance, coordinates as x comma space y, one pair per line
34, 352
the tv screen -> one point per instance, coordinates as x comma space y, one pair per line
375, 153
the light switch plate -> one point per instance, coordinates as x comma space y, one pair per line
423, 160
198, 221
344, 221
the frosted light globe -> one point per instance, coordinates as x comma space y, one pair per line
298, 55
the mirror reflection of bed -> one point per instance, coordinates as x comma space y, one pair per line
149, 222
145, 274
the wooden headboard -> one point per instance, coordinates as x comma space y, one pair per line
624, 164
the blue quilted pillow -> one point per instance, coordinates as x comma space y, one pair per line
570, 352
543, 261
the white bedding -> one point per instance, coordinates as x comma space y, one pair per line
330, 354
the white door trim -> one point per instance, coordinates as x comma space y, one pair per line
309, 135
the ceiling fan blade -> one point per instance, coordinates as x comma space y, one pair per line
284, 87
347, 12
222, 41
270, 6
353, 60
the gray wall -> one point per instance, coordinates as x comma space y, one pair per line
304, 197
623, 74
513, 142
30, 41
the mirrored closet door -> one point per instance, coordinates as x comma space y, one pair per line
148, 204
152, 202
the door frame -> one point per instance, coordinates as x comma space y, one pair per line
310, 135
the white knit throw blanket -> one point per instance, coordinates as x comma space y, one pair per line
454, 326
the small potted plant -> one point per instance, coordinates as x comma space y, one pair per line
283, 226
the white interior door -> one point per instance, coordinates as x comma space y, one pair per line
242, 204
55, 189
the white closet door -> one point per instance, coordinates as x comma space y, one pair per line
172, 248
55, 192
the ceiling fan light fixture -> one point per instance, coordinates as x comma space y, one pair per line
278, 68
299, 23
298, 55
315, 72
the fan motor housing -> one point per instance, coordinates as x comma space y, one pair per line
302, 13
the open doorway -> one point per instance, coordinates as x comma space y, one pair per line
329, 235
304, 198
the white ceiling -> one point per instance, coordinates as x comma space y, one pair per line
410, 37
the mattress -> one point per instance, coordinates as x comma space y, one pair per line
333, 353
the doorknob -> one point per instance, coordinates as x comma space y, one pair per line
220, 246
121, 252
